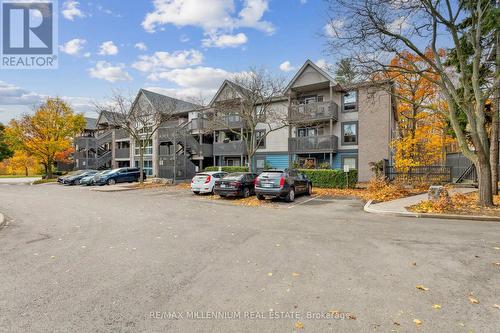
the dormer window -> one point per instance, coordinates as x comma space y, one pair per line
350, 101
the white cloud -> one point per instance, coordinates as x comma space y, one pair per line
200, 77
141, 46
398, 25
161, 61
184, 38
287, 67
108, 11
73, 47
212, 16
187, 94
108, 48
113, 73
223, 41
303, 2
333, 28
323, 64
14, 95
70, 10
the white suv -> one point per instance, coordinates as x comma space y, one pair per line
204, 182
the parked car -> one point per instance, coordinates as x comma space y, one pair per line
62, 179
204, 182
90, 179
282, 184
121, 175
76, 178
238, 184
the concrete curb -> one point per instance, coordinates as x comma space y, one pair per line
123, 189
3, 220
367, 208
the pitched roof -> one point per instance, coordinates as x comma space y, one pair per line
110, 117
90, 123
159, 100
303, 68
240, 90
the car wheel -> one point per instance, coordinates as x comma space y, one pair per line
111, 182
246, 192
261, 197
196, 192
76, 182
309, 189
290, 197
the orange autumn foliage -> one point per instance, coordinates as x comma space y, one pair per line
421, 124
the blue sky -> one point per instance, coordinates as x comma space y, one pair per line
178, 47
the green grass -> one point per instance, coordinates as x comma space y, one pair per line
19, 176
44, 181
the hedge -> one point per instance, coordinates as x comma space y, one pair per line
227, 168
331, 178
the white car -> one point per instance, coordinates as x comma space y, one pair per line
204, 182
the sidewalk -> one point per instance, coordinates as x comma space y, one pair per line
398, 207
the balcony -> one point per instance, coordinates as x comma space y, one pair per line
230, 148
226, 122
121, 134
84, 142
313, 144
319, 111
122, 153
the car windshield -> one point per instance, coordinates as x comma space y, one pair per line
271, 175
76, 173
234, 176
105, 172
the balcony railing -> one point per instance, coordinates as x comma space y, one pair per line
314, 112
230, 148
122, 153
224, 122
313, 144
121, 134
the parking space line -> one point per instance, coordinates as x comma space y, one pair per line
300, 203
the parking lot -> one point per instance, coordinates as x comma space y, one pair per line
72, 259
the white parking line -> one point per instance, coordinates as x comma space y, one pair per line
300, 203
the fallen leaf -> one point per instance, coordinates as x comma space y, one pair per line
277, 245
334, 312
270, 274
295, 274
421, 287
298, 325
414, 263
473, 300
396, 323
351, 316
496, 263
461, 324
497, 248
496, 306
436, 306
417, 322
52, 257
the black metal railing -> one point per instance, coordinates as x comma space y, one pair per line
428, 174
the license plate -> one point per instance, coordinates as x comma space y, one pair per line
223, 185
267, 185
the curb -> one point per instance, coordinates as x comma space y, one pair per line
368, 209
3, 220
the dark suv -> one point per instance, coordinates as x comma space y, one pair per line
282, 184
122, 175
238, 184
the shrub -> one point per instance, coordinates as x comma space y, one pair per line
331, 178
227, 168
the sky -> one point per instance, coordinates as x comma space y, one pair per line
182, 48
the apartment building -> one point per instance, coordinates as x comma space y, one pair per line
329, 126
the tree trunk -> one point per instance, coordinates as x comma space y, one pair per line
49, 168
484, 178
494, 146
141, 166
26, 171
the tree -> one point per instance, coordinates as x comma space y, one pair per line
5, 151
421, 125
140, 117
46, 133
375, 30
251, 97
22, 163
345, 72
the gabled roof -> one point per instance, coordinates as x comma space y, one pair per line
109, 117
157, 100
90, 123
241, 91
303, 68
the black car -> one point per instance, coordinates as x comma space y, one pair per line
63, 179
74, 179
121, 175
282, 184
237, 184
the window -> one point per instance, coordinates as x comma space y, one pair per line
350, 133
350, 101
260, 135
148, 147
123, 145
307, 131
308, 99
351, 161
147, 167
